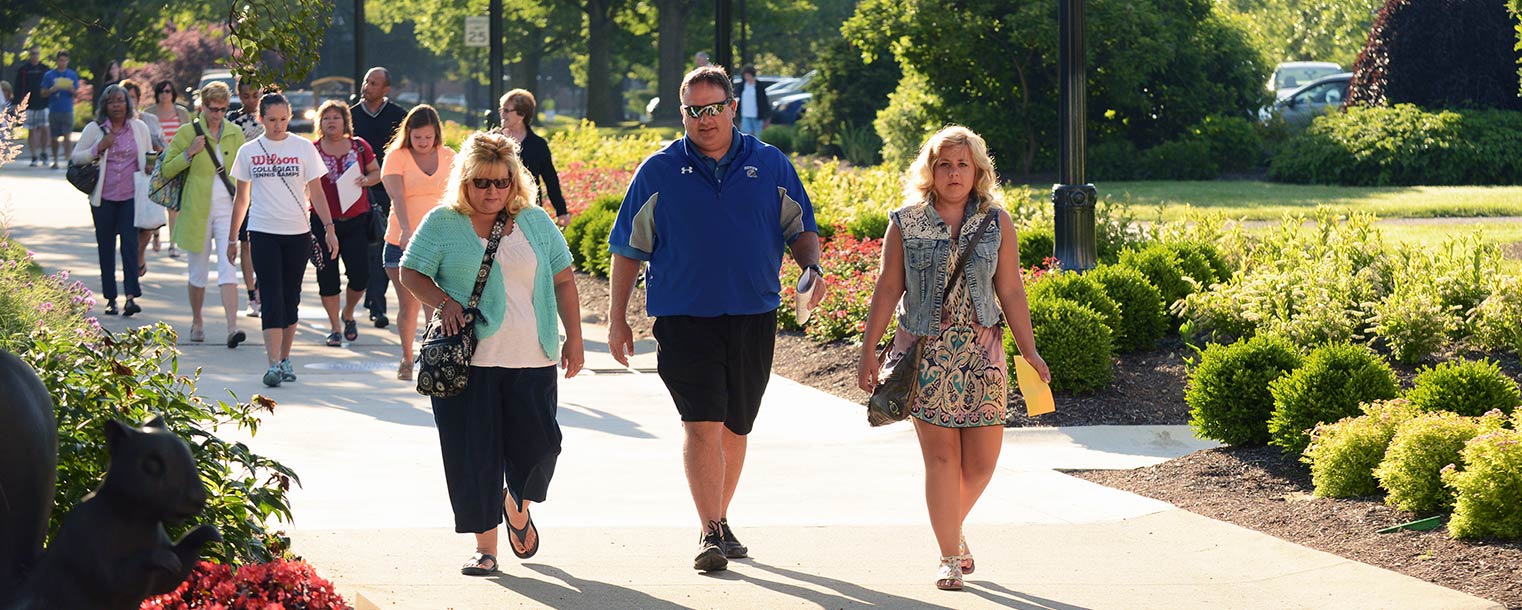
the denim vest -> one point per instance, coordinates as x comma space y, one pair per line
927, 248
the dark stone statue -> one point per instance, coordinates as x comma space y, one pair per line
112, 551
28, 468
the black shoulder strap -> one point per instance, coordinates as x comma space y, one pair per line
216, 158
956, 273
486, 260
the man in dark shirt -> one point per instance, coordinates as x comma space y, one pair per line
29, 83
376, 119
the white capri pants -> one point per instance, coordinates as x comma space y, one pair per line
218, 223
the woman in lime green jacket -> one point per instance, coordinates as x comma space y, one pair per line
206, 204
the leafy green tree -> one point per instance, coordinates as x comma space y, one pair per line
849, 90
1155, 67
1303, 30
277, 41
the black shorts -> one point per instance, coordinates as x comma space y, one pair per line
717, 368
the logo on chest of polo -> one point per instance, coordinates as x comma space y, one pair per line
750, 171
687, 170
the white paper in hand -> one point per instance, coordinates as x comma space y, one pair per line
807, 282
348, 191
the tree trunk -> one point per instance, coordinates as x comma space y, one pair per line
602, 96
672, 58
525, 72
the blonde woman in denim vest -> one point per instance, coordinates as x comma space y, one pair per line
963, 392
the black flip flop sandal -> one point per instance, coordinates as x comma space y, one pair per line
521, 533
475, 566
350, 331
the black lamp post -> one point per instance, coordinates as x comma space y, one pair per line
724, 24
494, 31
359, 49
1072, 198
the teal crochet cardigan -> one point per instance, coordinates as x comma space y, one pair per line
446, 248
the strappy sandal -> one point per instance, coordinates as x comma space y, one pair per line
477, 565
949, 575
334, 340
404, 370
967, 563
351, 332
520, 533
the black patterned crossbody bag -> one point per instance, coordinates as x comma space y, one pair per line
444, 359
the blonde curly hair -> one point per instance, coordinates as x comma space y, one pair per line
919, 179
480, 151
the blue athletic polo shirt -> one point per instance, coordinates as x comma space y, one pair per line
714, 245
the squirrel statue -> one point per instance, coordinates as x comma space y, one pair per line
112, 551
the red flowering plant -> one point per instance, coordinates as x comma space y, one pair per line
850, 266
582, 184
277, 585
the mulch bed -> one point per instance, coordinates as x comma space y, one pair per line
1256, 488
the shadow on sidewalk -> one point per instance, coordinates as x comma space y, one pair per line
1011, 599
582, 416
579, 592
847, 595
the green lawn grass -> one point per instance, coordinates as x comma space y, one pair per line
1255, 200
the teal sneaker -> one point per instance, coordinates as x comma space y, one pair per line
272, 377
287, 372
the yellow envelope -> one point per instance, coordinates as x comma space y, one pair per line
1038, 395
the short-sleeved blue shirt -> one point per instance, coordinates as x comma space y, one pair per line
61, 101
714, 245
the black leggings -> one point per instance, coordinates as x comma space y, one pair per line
353, 251
502, 427
280, 262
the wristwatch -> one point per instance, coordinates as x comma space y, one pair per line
816, 269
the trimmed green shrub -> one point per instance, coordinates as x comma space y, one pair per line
805, 141
1161, 266
1404, 145
1201, 261
1181, 160
1343, 455
1036, 245
576, 233
1412, 321
1233, 141
1466, 387
1082, 289
1142, 319
1115, 160
1329, 385
1412, 469
1228, 393
594, 241
1498, 319
868, 224
781, 136
1486, 490
1073, 340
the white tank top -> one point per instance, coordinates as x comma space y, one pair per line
515, 345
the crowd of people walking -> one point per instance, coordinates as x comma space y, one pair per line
466, 239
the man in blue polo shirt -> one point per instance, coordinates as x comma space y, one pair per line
711, 214
59, 84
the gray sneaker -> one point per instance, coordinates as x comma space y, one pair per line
272, 377
287, 372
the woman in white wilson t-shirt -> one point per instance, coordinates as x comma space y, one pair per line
276, 175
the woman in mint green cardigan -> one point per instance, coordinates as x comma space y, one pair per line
502, 428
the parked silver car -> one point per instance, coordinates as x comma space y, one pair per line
1321, 96
1292, 75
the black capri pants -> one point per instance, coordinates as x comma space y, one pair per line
501, 428
717, 368
353, 252
280, 262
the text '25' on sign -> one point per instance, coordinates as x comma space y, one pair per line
476, 29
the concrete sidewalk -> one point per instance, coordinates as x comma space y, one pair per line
832, 509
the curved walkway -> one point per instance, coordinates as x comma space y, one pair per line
832, 510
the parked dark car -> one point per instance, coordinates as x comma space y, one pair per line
1321, 96
788, 109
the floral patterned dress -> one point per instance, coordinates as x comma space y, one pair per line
963, 378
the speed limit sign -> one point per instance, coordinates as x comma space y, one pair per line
476, 29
